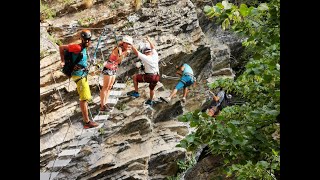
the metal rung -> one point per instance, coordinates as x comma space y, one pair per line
80, 143
104, 48
100, 117
69, 152
58, 163
119, 85
46, 175
115, 93
112, 101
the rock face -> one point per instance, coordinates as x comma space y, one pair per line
135, 142
204, 169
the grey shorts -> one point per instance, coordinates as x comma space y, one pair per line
109, 72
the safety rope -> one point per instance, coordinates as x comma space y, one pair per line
55, 88
58, 151
48, 125
70, 123
69, 27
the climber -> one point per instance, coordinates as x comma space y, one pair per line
218, 102
187, 79
110, 69
150, 60
79, 74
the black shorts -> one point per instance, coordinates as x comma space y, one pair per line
109, 72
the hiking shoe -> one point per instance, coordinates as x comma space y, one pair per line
134, 94
167, 100
183, 100
149, 102
90, 124
106, 108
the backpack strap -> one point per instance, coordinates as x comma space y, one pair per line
79, 56
77, 59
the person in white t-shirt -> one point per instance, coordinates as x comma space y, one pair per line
150, 60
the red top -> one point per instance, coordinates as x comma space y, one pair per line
113, 64
75, 48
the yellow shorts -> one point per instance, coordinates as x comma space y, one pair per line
82, 88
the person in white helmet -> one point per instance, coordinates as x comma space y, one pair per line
150, 60
110, 69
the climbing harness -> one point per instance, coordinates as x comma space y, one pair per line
170, 77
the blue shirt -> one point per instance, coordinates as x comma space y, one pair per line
82, 62
187, 69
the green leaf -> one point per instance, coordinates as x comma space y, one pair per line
235, 142
250, 10
278, 66
219, 5
190, 138
226, 5
194, 123
277, 93
211, 14
196, 112
220, 118
225, 24
207, 9
236, 13
235, 122
275, 152
263, 164
217, 9
273, 112
244, 11
267, 78
182, 119
226, 161
189, 116
229, 130
263, 7
254, 11
233, 127
182, 144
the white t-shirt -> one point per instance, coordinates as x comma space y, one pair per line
151, 63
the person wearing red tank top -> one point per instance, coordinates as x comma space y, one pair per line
110, 68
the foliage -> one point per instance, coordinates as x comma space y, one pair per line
242, 134
85, 22
42, 54
47, 12
121, 106
67, 2
173, 177
101, 131
116, 4
189, 162
54, 40
183, 165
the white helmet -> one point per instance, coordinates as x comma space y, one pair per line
138, 64
127, 39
